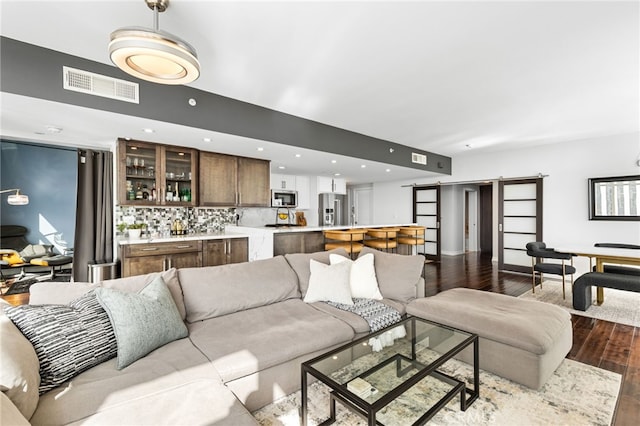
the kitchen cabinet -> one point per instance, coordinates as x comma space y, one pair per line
297, 242
225, 251
152, 174
139, 259
304, 195
331, 185
227, 180
287, 182
253, 183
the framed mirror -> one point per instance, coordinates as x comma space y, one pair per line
614, 198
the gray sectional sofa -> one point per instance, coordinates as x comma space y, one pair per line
248, 331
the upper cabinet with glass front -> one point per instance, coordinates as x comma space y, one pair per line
151, 174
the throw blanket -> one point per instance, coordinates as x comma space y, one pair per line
377, 314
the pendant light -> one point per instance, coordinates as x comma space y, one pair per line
152, 54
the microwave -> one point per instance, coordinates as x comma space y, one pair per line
283, 198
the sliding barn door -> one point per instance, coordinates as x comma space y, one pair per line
520, 222
426, 212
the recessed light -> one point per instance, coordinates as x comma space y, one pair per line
181, 154
363, 166
133, 148
337, 174
192, 102
281, 167
298, 155
148, 130
260, 148
206, 139
334, 161
387, 170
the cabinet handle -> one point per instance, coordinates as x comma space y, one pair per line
150, 249
184, 246
164, 264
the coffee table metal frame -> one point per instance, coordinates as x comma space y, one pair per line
339, 392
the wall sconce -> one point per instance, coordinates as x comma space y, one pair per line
16, 199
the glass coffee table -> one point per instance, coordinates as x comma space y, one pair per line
401, 381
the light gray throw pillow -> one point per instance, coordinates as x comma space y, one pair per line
142, 321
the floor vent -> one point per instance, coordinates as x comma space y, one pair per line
100, 85
418, 158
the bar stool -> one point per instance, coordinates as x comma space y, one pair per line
349, 239
382, 238
412, 236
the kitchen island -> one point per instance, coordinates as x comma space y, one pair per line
268, 241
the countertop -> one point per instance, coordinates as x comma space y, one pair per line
123, 241
294, 228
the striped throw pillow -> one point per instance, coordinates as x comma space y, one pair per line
67, 339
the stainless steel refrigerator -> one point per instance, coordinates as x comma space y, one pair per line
333, 210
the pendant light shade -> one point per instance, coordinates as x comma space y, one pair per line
152, 54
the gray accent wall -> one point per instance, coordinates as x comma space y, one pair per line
34, 71
48, 175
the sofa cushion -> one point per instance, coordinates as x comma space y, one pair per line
398, 275
9, 413
62, 293
246, 342
219, 290
19, 368
138, 282
57, 293
362, 280
299, 262
67, 339
329, 283
142, 321
174, 384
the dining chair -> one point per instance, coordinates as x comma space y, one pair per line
539, 251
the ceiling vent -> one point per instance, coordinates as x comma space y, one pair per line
99, 85
418, 158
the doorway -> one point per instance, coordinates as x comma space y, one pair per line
361, 205
486, 219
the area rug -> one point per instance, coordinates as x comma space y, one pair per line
619, 306
576, 394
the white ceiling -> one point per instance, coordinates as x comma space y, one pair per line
448, 77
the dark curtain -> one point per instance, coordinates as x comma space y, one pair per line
94, 212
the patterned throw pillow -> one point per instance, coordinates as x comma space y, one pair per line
67, 339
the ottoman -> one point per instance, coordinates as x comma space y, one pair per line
521, 340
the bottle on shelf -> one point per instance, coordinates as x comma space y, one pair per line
169, 193
152, 196
139, 192
176, 194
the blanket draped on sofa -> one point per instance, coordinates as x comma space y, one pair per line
377, 314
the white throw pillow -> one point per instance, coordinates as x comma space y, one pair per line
329, 283
363, 281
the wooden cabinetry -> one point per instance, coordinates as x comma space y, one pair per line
138, 259
153, 174
226, 251
226, 180
297, 242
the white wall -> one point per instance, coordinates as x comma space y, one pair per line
565, 192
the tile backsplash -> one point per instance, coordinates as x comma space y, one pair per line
159, 219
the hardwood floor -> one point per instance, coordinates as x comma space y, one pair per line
604, 344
